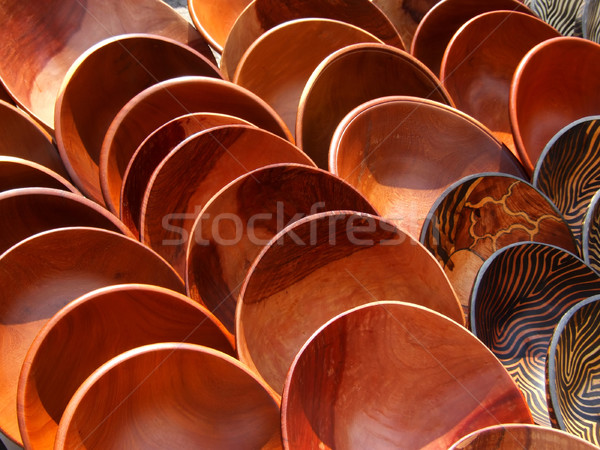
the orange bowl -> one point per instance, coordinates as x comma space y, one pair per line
20, 173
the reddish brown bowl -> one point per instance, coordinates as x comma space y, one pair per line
20, 173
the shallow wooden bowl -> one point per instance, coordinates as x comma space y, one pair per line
168, 100
349, 387
100, 82
519, 296
403, 152
264, 200
443, 20
262, 15
321, 266
590, 236
590, 22
21, 173
300, 45
556, 83
213, 402
90, 331
351, 76
480, 60
48, 37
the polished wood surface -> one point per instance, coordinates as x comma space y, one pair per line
556, 83
20, 173
265, 200
321, 266
300, 45
403, 152
214, 402
42, 40
202, 165
590, 236
90, 331
262, 15
394, 375
5, 97
100, 82
348, 78
42, 274
165, 101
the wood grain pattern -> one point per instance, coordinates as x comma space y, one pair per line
519, 296
590, 238
214, 402
20, 173
394, 375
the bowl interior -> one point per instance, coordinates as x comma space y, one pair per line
18, 173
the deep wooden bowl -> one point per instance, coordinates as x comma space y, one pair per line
443, 20
590, 22
300, 45
43, 273
100, 82
321, 266
403, 152
165, 101
21, 173
480, 60
590, 236
265, 200
568, 170
262, 15
48, 37
348, 387
90, 331
519, 296
213, 402
351, 76
556, 83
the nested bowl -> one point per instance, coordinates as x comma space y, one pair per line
590, 236
394, 375
214, 402
403, 152
90, 331
520, 294
321, 266
351, 76
168, 100
18, 173
264, 201
100, 82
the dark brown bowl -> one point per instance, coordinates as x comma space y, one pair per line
351, 76
165, 101
90, 331
519, 296
214, 402
264, 200
18, 173
590, 236
394, 375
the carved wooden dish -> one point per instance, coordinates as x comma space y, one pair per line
100, 82
519, 296
214, 402
321, 266
590, 236
168, 100
265, 200
348, 387
20, 173
403, 152
556, 83
90, 331
351, 76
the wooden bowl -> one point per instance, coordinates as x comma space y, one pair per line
351, 76
100, 82
45, 272
89, 332
265, 200
20, 173
5, 97
403, 152
321, 266
520, 294
564, 15
350, 387
590, 236
556, 83
568, 170
443, 20
165, 101
221, 155
262, 15
214, 402
590, 23
152, 151
300, 45
52, 35
480, 60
